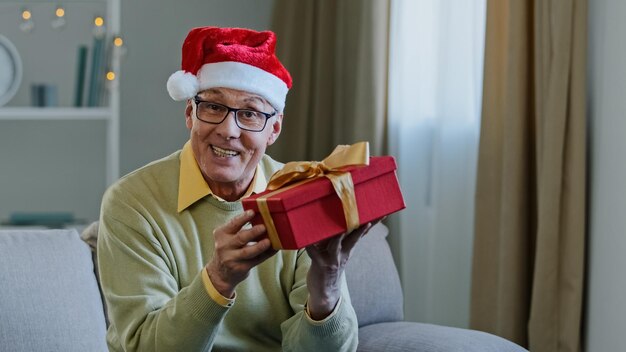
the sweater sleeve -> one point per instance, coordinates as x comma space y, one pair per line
337, 333
147, 309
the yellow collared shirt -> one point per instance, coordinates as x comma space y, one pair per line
192, 187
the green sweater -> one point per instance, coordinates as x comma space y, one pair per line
150, 261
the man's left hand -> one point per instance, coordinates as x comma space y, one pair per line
328, 261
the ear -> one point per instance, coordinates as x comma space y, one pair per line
276, 127
189, 114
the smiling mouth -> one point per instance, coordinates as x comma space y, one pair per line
224, 153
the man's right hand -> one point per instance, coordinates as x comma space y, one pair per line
237, 251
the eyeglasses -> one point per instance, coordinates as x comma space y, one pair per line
246, 119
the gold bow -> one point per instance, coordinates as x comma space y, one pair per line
332, 168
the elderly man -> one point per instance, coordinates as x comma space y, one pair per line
180, 266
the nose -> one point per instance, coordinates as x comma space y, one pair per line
228, 129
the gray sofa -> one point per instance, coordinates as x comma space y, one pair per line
50, 301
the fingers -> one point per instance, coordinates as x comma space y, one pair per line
237, 251
234, 225
353, 237
247, 244
231, 235
258, 253
254, 250
243, 238
340, 243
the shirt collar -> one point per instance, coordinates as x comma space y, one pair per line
192, 186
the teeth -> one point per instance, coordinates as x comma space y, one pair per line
223, 152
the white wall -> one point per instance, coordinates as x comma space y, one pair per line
605, 322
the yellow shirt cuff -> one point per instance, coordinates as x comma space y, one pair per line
216, 296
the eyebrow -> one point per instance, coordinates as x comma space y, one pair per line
255, 98
220, 93
246, 100
215, 91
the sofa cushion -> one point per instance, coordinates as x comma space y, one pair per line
418, 337
49, 296
373, 280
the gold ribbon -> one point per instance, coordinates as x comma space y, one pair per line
296, 172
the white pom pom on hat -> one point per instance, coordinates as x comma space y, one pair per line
235, 58
182, 85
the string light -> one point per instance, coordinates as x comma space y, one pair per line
26, 14
26, 22
58, 21
111, 79
120, 49
99, 30
60, 11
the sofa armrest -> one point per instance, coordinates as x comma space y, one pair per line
419, 337
49, 298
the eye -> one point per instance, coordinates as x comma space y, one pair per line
249, 114
214, 107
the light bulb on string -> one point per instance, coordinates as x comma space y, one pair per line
119, 48
26, 21
99, 29
58, 20
111, 79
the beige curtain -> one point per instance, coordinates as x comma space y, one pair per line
336, 52
529, 248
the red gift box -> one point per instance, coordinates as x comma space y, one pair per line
310, 211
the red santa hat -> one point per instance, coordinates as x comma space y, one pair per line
235, 58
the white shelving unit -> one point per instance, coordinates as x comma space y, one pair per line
109, 113
54, 113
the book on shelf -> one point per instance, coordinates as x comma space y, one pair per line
81, 76
95, 90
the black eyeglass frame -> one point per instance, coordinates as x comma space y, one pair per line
197, 100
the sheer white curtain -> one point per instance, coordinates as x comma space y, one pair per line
436, 62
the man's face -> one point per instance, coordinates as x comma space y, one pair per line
226, 154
